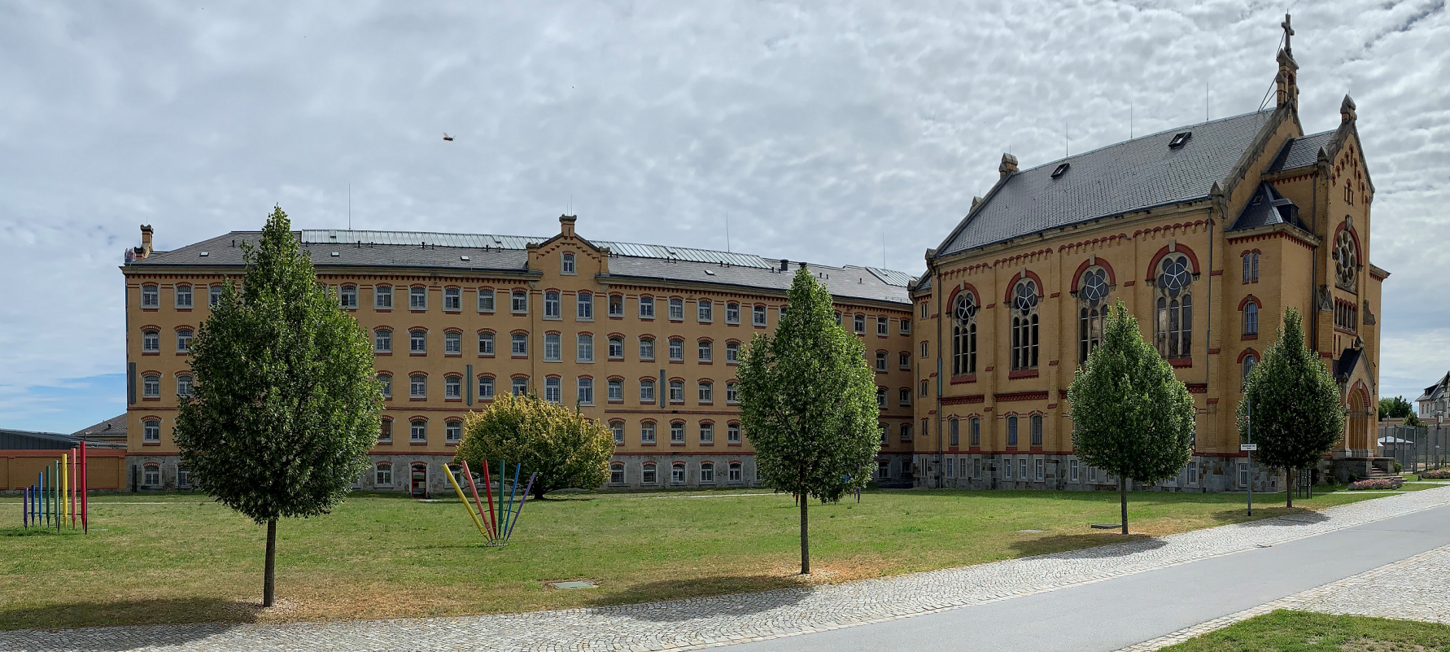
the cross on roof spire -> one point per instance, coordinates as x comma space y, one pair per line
1288, 32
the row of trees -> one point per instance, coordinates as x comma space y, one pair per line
286, 405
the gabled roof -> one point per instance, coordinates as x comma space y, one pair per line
1437, 391
1301, 152
1129, 176
112, 428
1266, 208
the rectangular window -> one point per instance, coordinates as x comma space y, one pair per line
646, 308
647, 436
732, 352
418, 342
616, 348
586, 391
151, 431
567, 264
551, 347
452, 299
1007, 469
1023, 468
418, 431
883, 326
1243, 475
648, 477
677, 433
417, 298
215, 296
418, 387
924, 348
452, 432
520, 386
151, 386
183, 296
705, 311
616, 474
1036, 430
1011, 431
646, 349
616, 305
677, 350
485, 388
925, 387
585, 347
519, 345
485, 301
647, 391
905, 398
905, 432
677, 309
955, 435
905, 327
1072, 470
677, 474
707, 472
732, 313
551, 305
1192, 473
485, 343
453, 343
1037, 467
705, 351
150, 296
584, 307
453, 388
758, 316
347, 298
975, 432
949, 469
905, 361
616, 390
859, 324
732, 394
707, 433
519, 302
617, 429
707, 393
732, 433
735, 472
881, 397
677, 391
383, 297
881, 361
385, 385
883, 469
554, 390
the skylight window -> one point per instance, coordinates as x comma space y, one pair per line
1061, 170
1180, 139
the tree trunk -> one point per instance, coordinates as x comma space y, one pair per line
269, 581
1289, 501
538, 491
1123, 500
805, 539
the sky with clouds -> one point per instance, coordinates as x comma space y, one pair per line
814, 128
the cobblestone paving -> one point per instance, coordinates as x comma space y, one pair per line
709, 622
1412, 588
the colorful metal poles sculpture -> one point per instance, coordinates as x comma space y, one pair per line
497, 525
59, 494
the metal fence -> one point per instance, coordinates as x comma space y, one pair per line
1416, 448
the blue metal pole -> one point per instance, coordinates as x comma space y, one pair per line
512, 490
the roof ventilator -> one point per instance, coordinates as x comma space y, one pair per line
1061, 170
1180, 139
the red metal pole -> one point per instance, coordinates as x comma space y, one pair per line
473, 487
75, 469
488, 489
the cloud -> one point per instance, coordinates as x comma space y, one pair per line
814, 129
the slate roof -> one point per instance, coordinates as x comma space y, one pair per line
1344, 366
1437, 391
1301, 152
447, 251
1129, 176
113, 428
1267, 207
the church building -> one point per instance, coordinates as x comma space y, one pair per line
1207, 233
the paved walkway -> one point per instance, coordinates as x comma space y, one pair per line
1103, 598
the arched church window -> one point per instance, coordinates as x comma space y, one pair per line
1024, 325
1250, 361
1092, 307
1346, 261
964, 335
1174, 323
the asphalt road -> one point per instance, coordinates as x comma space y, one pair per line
1116, 613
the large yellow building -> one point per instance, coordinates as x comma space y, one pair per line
1207, 233
641, 337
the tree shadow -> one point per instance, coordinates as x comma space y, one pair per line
700, 597
1088, 545
1282, 517
174, 621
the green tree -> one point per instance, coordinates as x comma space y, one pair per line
564, 448
1395, 408
285, 403
1131, 416
1298, 413
808, 402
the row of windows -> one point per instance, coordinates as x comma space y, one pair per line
383, 298
151, 340
151, 476
553, 389
418, 431
1033, 469
649, 473
151, 385
704, 432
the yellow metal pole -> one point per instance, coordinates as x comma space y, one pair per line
453, 481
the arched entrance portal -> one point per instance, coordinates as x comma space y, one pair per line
1357, 433
419, 482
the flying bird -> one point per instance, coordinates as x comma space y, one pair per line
447, 137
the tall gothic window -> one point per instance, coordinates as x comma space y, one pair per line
1174, 323
1024, 325
1091, 308
964, 335
1346, 261
1249, 361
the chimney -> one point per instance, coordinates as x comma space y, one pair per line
784, 265
801, 265
1008, 166
1346, 110
566, 224
145, 242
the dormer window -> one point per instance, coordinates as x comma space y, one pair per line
1180, 139
568, 263
1061, 170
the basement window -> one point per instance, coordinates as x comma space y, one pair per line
1180, 139
1061, 170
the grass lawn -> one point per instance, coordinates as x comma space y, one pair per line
1308, 632
180, 558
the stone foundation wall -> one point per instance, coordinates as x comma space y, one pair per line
1212, 474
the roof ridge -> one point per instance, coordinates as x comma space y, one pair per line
1140, 138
